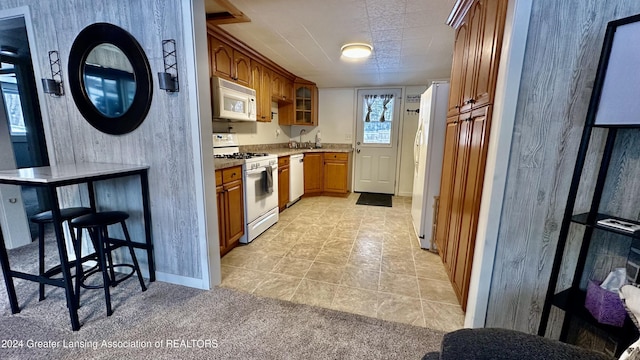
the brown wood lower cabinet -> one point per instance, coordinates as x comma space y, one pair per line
283, 182
326, 173
336, 168
466, 141
229, 196
313, 179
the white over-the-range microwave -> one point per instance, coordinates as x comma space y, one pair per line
231, 101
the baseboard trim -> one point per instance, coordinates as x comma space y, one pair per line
182, 280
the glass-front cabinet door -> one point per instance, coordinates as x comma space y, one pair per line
306, 104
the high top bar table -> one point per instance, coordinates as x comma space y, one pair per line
52, 177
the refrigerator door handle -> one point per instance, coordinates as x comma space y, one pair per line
416, 148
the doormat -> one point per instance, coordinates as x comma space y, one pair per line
374, 199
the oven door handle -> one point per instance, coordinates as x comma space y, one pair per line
260, 170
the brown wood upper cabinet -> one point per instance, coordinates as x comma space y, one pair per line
281, 88
261, 83
305, 106
231, 59
229, 63
478, 41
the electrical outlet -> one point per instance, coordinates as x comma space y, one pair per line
347, 137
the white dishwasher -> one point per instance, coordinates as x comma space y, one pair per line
296, 177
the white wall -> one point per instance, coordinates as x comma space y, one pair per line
335, 118
254, 133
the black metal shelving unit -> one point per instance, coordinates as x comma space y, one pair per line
571, 300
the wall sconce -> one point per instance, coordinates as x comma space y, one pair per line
54, 86
168, 80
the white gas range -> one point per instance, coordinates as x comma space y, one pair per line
260, 183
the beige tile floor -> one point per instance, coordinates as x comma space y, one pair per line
332, 253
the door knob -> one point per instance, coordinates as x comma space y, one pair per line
358, 151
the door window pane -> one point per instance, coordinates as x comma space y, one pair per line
13, 107
377, 119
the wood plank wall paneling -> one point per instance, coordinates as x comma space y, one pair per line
563, 48
163, 140
625, 170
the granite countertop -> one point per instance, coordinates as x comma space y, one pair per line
227, 163
286, 151
279, 151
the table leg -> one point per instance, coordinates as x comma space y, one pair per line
144, 184
92, 196
64, 260
8, 278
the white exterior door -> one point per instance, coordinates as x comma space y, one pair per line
377, 140
13, 218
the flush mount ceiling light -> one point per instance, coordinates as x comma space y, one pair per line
356, 50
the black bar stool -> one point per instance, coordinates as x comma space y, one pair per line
44, 218
97, 224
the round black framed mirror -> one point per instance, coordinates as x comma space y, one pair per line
110, 78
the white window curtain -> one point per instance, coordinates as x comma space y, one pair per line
377, 106
386, 99
369, 100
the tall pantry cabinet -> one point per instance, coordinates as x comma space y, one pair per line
479, 28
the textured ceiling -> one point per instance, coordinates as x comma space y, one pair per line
412, 45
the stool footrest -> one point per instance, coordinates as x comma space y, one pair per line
58, 269
112, 282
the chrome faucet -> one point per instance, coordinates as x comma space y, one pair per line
303, 131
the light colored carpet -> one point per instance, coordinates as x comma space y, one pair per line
174, 322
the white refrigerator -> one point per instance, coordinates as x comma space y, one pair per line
428, 152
